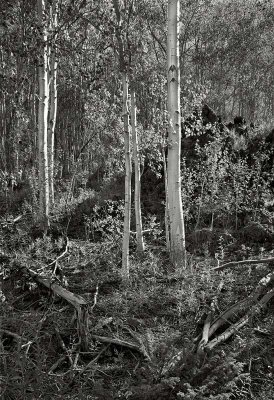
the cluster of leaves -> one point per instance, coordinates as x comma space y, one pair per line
227, 185
105, 221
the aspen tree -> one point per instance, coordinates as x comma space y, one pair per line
43, 117
175, 209
167, 225
137, 175
52, 96
128, 167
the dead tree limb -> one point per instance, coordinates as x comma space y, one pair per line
251, 299
235, 308
228, 313
235, 327
78, 302
242, 262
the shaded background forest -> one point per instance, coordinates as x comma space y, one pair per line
226, 58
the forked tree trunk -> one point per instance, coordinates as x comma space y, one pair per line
137, 176
176, 218
52, 100
43, 119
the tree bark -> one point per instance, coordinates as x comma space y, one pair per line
167, 224
43, 119
137, 176
176, 217
52, 100
128, 168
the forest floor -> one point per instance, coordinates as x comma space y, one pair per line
140, 337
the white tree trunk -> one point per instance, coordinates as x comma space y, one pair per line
126, 235
176, 218
123, 70
52, 101
137, 176
167, 224
43, 119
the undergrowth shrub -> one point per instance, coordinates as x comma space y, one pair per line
225, 184
105, 220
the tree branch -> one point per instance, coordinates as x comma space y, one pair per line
236, 263
235, 327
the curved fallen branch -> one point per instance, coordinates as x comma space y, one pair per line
241, 305
252, 298
236, 263
224, 317
235, 327
78, 302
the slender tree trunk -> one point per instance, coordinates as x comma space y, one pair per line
126, 234
176, 217
167, 223
52, 101
137, 176
43, 120
124, 73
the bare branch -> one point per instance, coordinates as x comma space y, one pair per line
235, 327
242, 262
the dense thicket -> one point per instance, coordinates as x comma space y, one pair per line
226, 58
